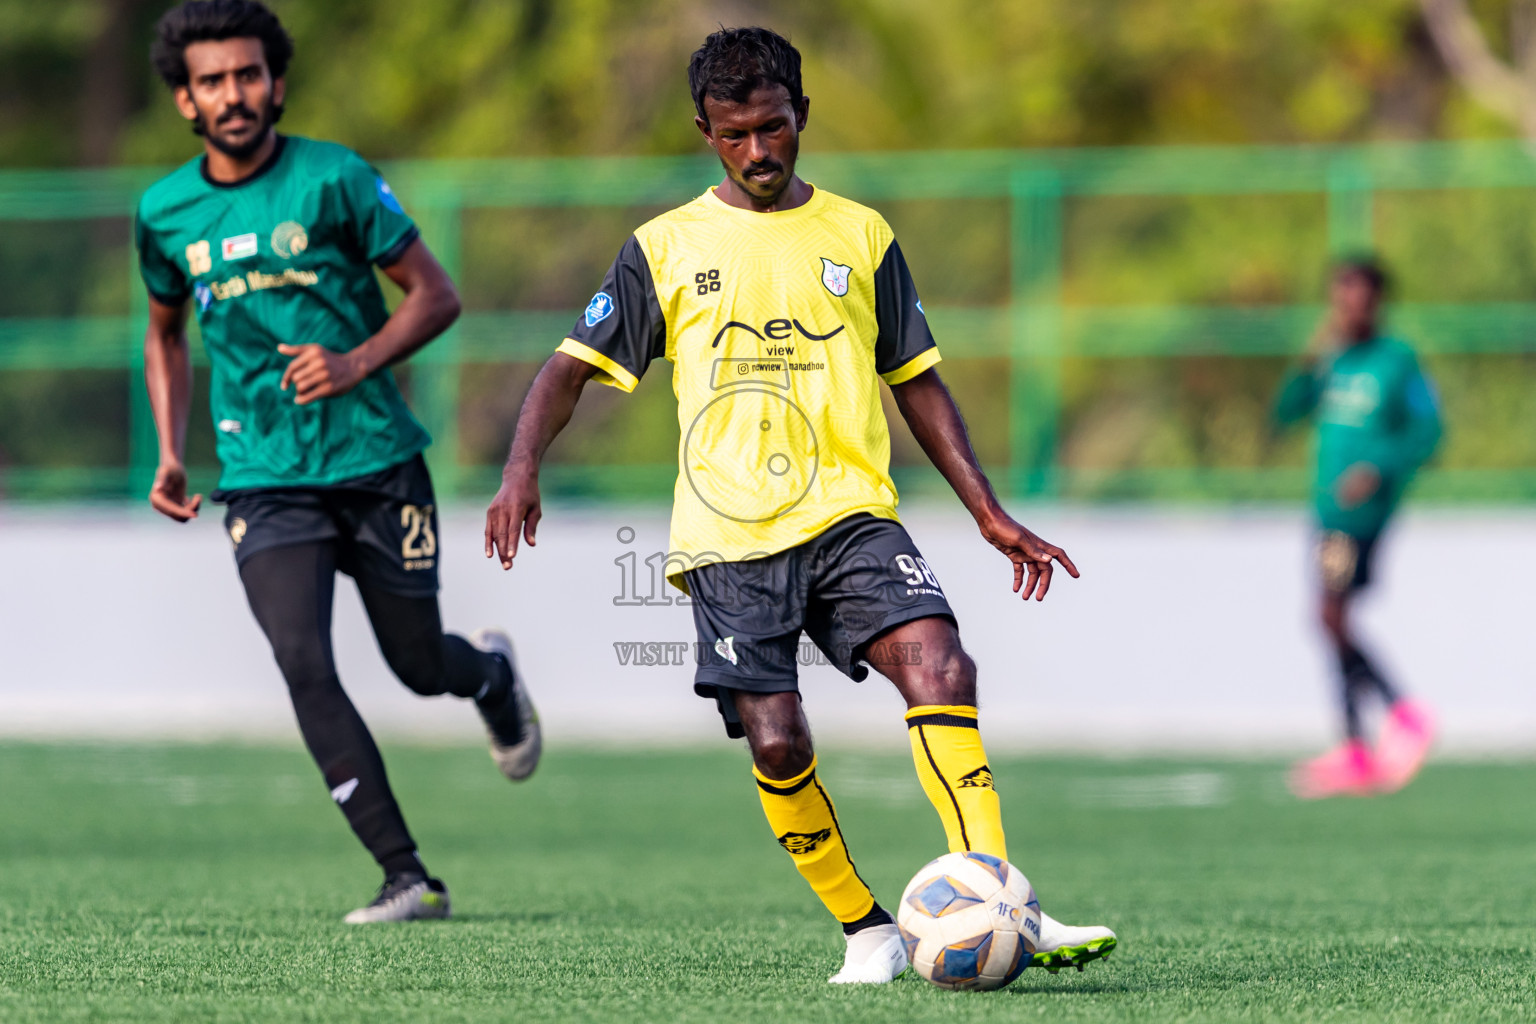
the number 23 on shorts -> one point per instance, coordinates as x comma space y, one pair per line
419, 547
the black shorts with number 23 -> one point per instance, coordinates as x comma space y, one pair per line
384, 525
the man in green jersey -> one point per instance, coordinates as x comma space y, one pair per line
274, 239
1377, 422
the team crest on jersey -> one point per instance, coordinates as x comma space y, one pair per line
289, 239
599, 309
835, 277
800, 843
204, 296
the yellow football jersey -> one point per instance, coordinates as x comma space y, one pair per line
779, 327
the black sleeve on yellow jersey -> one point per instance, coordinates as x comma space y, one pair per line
622, 328
904, 347
163, 279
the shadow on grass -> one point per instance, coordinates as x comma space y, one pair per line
1047, 987
1036, 983
526, 917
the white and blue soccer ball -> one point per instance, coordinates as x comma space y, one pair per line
970, 921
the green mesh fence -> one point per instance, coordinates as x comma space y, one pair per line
1112, 320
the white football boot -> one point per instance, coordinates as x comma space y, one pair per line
874, 956
513, 725
1065, 945
405, 898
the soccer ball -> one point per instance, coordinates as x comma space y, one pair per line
970, 921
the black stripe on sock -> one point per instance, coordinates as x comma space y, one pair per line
787, 790
958, 721
945, 782
877, 915
846, 852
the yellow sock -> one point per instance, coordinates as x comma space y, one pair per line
801, 816
952, 766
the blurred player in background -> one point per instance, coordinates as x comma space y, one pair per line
1377, 422
782, 307
274, 239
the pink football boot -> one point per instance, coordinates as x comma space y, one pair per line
1406, 737
1347, 770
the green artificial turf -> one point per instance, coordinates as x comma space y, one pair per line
207, 883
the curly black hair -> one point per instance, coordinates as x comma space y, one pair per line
1368, 267
197, 21
734, 62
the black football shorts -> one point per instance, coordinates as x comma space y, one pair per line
384, 525
843, 588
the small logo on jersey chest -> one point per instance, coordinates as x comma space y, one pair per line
835, 277
199, 260
706, 281
599, 309
289, 239
238, 247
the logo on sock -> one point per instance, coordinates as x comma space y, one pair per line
981, 778
342, 793
800, 843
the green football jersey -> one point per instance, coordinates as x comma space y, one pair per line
1373, 405
285, 256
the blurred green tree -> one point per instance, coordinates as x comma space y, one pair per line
495, 78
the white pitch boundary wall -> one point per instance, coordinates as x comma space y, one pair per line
1189, 631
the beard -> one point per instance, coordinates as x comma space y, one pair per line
269, 115
766, 193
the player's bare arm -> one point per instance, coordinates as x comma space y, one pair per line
430, 307
930, 411
168, 375
551, 400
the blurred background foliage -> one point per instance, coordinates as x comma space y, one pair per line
439, 78
498, 78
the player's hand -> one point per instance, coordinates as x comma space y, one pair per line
1325, 338
1357, 485
316, 372
169, 494
1031, 556
514, 511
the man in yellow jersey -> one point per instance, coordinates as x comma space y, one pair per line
781, 308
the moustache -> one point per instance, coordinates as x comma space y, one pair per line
763, 165
238, 110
